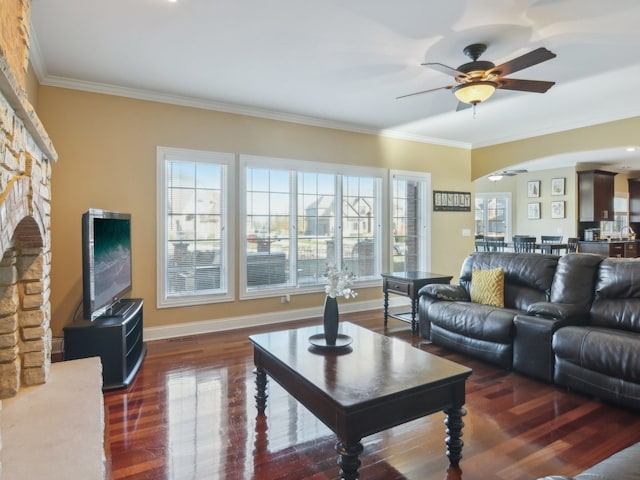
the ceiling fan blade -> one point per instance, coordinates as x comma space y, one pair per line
534, 57
448, 87
462, 106
536, 86
445, 69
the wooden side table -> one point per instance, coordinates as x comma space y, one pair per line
408, 284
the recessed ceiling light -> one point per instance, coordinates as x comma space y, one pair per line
631, 149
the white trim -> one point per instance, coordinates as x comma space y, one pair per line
228, 160
425, 214
185, 101
380, 175
262, 319
509, 210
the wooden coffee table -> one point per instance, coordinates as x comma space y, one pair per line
376, 383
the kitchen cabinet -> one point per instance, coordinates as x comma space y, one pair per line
595, 195
623, 249
634, 200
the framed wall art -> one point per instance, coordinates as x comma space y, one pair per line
451, 201
533, 211
557, 209
557, 186
533, 189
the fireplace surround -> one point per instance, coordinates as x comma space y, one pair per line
26, 153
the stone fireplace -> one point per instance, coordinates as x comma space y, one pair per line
26, 154
60, 414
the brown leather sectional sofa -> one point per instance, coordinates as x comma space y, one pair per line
572, 320
619, 466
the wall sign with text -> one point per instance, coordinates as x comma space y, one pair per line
451, 201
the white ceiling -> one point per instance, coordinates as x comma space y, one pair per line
342, 63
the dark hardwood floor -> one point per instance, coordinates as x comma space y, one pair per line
190, 414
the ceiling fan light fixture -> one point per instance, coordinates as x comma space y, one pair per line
475, 92
494, 177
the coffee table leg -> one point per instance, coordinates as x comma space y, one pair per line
261, 390
348, 460
453, 441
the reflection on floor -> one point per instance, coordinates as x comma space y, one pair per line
190, 414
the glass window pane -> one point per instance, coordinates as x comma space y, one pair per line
316, 227
267, 245
407, 244
194, 223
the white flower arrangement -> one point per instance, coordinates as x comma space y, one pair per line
338, 283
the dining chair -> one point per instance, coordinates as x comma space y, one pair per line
480, 244
552, 239
572, 244
524, 244
494, 243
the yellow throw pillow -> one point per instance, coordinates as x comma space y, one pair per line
487, 287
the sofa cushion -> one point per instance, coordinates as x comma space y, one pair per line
613, 353
527, 276
575, 278
487, 287
617, 296
473, 320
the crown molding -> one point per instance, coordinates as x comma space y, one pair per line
185, 101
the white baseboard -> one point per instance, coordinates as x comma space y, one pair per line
272, 318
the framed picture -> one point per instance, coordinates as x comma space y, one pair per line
557, 209
451, 201
533, 210
557, 186
533, 188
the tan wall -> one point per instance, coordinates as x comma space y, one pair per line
107, 159
621, 133
517, 186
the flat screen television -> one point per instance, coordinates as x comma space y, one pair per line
106, 261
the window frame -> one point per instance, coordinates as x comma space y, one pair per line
297, 166
227, 270
424, 253
508, 221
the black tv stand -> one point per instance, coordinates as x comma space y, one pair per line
119, 309
116, 337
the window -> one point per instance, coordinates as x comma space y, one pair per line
493, 214
620, 221
299, 216
194, 227
410, 209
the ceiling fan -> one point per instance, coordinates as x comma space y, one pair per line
497, 176
477, 80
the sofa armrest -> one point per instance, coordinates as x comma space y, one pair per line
439, 291
557, 310
434, 293
532, 350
